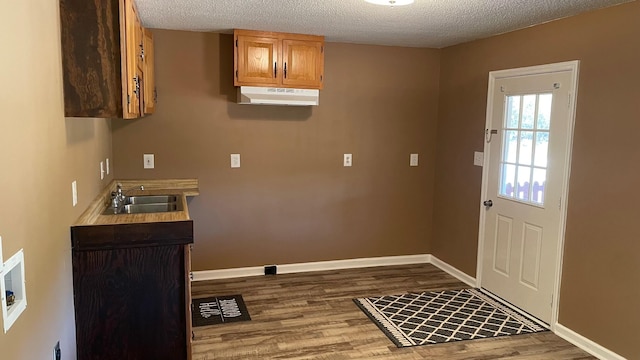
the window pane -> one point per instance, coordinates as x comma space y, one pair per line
544, 111
507, 180
526, 148
539, 182
542, 147
528, 111
524, 175
510, 146
513, 112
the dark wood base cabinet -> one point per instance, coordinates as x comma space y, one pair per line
131, 299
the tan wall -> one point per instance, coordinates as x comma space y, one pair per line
601, 269
292, 200
42, 152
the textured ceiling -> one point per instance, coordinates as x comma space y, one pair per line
425, 23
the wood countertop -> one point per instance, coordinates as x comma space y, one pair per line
181, 187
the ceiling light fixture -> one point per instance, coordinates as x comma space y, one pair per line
391, 3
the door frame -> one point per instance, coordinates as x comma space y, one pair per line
573, 67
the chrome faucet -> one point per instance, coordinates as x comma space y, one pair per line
119, 193
117, 198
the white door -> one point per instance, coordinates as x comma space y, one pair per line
528, 150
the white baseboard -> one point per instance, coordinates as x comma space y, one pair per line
467, 279
313, 266
227, 273
585, 344
337, 265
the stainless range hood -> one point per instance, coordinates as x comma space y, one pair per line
255, 95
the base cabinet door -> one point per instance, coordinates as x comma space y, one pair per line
130, 303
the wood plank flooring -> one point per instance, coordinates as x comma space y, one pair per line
312, 316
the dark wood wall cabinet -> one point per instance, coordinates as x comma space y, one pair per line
132, 290
106, 70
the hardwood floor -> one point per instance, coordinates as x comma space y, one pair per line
312, 316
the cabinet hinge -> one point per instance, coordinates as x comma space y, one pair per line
191, 275
128, 99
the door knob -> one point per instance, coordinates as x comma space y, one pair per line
488, 203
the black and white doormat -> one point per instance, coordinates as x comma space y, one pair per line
438, 317
218, 310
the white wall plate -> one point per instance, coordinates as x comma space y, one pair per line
12, 278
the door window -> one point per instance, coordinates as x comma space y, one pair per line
525, 144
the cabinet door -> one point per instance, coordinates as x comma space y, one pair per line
257, 60
187, 295
131, 61
139, 58
129, 303
303, 63
149, 76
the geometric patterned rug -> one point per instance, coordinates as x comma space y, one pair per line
438, 317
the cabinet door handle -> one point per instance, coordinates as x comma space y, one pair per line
285, 70
275, 69
136, 90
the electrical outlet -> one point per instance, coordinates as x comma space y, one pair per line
348, 160
108, 168
478, 158
149, 161
57, 354
413, 160
101, 170
74, 193
235, 160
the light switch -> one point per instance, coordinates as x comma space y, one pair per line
74, 193
149, 161
235, 160
348, 159
478, 158
413, 160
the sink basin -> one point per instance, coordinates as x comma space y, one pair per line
148, 208
150, 199
144, 204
